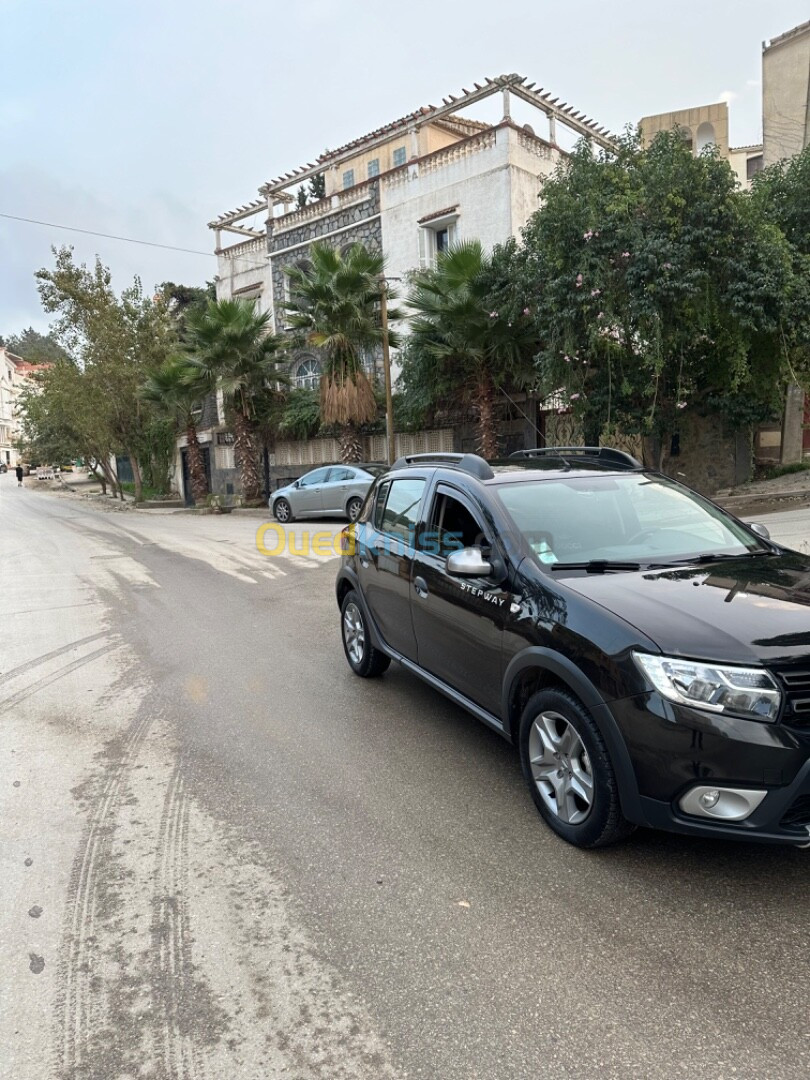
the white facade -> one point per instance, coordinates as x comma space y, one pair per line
9, 425
485, 188
244, 270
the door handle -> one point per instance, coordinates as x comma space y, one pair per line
420, 585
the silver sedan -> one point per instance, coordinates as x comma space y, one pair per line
325, 492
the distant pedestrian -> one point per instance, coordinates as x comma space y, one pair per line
19, 472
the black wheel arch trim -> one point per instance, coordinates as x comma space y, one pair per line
345, 577
535, 656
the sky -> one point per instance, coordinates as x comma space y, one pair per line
147, 119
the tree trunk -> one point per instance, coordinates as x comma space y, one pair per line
136, 477
108, 473
487, 432
196, 467
351, 445
246, 457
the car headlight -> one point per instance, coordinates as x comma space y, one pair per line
738, 691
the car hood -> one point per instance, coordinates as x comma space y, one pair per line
742, 610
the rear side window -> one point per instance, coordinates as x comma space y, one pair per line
337, 475
400, 514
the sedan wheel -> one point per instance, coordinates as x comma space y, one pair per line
282, 511
353, 508
561, 768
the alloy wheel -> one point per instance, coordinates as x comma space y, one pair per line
561, 768
354, 633
282, 511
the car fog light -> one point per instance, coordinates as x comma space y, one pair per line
725, 804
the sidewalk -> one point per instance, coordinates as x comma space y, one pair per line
789, 492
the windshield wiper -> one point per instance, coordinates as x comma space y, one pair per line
597, 566
720, 556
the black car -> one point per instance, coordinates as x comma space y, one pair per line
648, 653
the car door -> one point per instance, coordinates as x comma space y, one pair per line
385, 550
308, 498
335, 490
458, 622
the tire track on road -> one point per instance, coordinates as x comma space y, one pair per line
21, 695
75, 1004
45, 657
174, 978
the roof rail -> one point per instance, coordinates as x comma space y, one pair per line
605, 455
469, 463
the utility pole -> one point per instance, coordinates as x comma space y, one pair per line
389, 401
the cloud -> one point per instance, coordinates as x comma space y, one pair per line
728, 96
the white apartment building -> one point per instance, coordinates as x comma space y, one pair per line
9, 385
410, 189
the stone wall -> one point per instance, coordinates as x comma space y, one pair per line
708, 457
357, 223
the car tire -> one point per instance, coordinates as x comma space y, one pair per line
353, 507
567, 767
364, 659
282, 511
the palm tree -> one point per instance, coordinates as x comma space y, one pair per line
231, 345
335, 306
176, 391
472, 346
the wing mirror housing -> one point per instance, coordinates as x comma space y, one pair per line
475, 562
760, 530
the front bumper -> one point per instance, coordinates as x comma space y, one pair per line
674, 748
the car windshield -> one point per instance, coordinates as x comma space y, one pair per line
634, 517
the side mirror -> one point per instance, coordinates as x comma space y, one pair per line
760, 530
297, 484
468, 562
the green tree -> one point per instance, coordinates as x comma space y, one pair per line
317, 187
780, 196
66, 414
335, 306
301, 416
35, 347
231, 345
117, 342
176, 392
459, 342
655, 289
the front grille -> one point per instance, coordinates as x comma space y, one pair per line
795, 681
797, 814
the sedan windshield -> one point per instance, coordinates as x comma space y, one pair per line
627, 518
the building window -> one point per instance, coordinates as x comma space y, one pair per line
442, 240
435, 238
399, 156
753, 166
307, 374
374, 167
348, 179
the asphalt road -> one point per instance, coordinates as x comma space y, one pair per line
224, 856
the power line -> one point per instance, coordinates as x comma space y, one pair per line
107, 236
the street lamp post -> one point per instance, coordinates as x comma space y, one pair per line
389, 400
